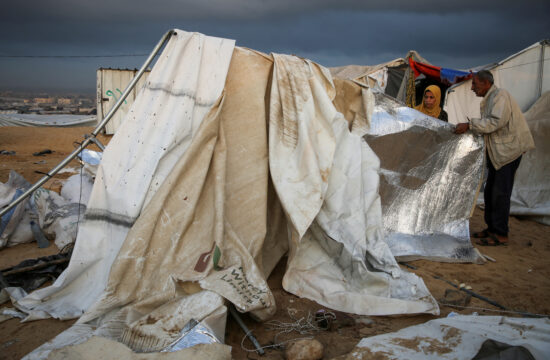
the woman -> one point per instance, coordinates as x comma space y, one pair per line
430, 103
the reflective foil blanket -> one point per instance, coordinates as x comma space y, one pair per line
429, 178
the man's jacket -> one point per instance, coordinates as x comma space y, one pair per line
507, 135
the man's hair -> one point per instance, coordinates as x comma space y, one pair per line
485, 75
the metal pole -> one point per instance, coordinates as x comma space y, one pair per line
541, 66
96, 131
243, 326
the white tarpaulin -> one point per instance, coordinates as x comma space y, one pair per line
326, 178
457, 337
187, 80
531, 192
526, 75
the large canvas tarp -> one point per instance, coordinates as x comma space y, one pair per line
188, 80
531, 192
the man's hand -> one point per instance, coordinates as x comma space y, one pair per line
461, 128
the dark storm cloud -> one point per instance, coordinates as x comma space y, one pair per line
454, 34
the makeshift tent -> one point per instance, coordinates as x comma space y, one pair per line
391, 78
404, 78
228, 159
526, 75
443, 75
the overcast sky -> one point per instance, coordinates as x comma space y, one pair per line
456, 34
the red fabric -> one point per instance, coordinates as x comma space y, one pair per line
428, 70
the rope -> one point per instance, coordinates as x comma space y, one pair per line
304, 326
410, 98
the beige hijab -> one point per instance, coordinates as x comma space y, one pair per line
436, 109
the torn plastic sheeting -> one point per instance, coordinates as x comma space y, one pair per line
193, 333
457, 337
429, 181
90, 157
9, 223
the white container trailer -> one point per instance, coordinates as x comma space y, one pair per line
110, 86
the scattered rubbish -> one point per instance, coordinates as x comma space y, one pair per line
10, 222
89, 156
40, 162
365, 320
452, 314
39, 236
193, 333
470, 292
13, 313
7, 152
304, 349
455, 297
32, 273
42, 152
324, 318
488, 258
528, 271
408, 265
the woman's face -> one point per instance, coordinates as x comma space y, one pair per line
429, 99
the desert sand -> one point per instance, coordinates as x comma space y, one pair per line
518, 279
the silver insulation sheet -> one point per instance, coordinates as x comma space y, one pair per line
429, 178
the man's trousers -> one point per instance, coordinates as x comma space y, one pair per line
497, 193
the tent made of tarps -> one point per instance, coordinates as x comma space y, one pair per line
526, 75
391, 78
404, 78
228, 159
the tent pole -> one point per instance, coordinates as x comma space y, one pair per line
99, 127
541, 66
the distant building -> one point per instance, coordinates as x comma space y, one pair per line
48, 100
64, 101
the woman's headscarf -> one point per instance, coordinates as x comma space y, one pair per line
436, 110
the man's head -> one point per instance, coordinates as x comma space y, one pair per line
482, 82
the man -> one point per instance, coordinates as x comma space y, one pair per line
507, 137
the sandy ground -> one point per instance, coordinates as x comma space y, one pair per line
519, 279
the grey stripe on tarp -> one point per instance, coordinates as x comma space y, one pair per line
109, 217
180, 93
